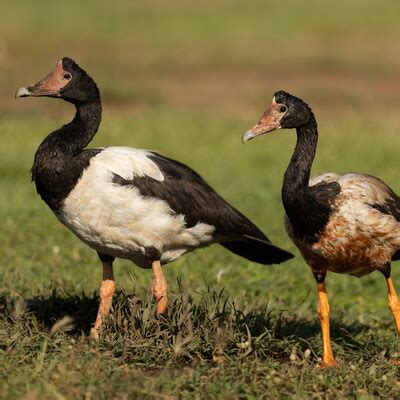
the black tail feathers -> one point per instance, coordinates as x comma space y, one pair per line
258, 250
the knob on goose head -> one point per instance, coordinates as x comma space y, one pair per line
285, 112
67, 81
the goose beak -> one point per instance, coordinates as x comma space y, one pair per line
36, 90
49, 86
22, 92
248, 135
267, 123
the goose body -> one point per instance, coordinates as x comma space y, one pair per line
123, 222
130, 203
139, 205
348, 223
363, 230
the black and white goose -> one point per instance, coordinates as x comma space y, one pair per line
130, 203
346, 223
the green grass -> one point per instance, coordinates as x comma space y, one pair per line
187, 80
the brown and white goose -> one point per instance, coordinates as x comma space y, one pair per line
130, 203
341, 223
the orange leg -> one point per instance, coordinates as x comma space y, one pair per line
323, 314
107, 290
393, 302
159, 288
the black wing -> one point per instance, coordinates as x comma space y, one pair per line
390, 206
310, 216
187, 193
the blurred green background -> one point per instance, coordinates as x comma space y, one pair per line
187, 78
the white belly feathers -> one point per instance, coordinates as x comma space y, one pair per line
117, 220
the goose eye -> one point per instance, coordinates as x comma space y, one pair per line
67, 76
283, 109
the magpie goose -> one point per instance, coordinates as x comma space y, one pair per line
348, 224
130, 203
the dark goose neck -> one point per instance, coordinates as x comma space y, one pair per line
297, 199
61, 159
72, 138
297, 174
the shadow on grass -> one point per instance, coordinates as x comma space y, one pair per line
214, 310
47, 310
305, 330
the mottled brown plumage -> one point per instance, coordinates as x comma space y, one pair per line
358, 238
